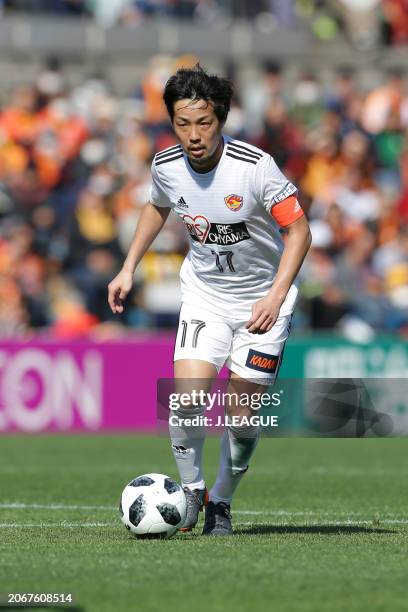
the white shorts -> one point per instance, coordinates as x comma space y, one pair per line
204, 335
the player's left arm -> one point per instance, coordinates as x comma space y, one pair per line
297, 243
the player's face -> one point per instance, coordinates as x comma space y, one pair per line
199, 131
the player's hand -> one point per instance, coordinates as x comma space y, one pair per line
264, 315
118, 290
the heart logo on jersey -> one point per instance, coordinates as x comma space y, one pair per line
234, 202
198, 226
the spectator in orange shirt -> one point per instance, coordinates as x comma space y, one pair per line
19, 120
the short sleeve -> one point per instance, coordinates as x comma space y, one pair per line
158, 196
271, 185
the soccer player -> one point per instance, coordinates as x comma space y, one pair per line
238, 279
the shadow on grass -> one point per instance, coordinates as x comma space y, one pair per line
323, 529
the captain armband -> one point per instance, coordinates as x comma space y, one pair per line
287, 211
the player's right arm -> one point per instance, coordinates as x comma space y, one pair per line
150, 223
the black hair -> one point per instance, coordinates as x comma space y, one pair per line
272, 67
196, 84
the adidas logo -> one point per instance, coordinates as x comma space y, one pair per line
182, 203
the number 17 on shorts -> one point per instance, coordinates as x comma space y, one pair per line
210, 337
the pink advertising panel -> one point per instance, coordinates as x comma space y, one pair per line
82, 386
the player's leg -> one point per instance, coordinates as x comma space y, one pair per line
188, 440
238, 443
254, 365
202, 345
191, 375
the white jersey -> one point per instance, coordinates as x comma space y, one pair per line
235, 244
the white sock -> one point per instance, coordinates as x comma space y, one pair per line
237, 447
187, 445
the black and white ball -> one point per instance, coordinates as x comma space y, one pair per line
153, 504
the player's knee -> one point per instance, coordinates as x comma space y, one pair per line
244, 431
188, 412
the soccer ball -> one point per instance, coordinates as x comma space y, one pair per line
153, 505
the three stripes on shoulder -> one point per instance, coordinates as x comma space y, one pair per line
246, 154
234, 150
168, 155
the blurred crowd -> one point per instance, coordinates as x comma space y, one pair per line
109, 12
367, 23
75, 173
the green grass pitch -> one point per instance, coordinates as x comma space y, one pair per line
320, 524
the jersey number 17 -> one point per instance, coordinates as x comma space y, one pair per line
227, 261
